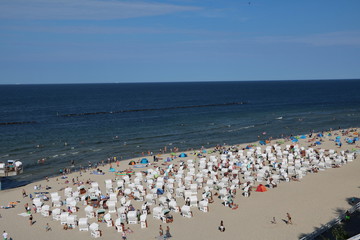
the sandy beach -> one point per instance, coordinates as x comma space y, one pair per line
312, 201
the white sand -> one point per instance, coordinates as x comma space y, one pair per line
313, 201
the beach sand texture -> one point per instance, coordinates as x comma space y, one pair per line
316, 199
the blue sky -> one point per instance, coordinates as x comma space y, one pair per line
96, 41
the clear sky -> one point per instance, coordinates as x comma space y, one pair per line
98, 41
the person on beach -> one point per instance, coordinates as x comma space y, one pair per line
24, 193
66, 227
167, 233
31, 219
187, 201
289, 218
123, 235
221, 227
5, 235
161, 230
47, 227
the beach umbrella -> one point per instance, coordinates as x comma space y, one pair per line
318, 143
182, 155
144, 161
159, 191
173, 154
295, 140
261, 188
303, 137
132, 163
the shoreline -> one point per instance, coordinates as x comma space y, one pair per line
259, 212
94, 161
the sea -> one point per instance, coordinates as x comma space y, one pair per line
82, 123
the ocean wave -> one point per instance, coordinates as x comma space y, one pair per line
242, 128
19, 149
17, 123
137, 140
153, 109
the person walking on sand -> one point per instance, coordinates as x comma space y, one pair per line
31, 219
123, 235
161, 230
289, 218
167, 233
5, 235
221, 227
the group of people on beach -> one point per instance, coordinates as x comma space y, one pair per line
163, 236
233, 160
221, 228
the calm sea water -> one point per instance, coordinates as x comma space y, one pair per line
174, 117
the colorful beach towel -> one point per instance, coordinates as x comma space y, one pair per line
139, 166
122, 173
24, 214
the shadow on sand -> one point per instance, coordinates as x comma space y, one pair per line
349, 225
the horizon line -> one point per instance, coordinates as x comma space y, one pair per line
205, 81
